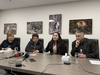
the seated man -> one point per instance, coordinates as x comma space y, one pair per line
84, 46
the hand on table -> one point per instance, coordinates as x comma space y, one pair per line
82, 55
37, 51
4, 48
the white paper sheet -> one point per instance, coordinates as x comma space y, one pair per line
1, 51
95, 62
8, 50
6, 53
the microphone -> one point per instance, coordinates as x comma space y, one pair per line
19, 64
16, 55
26, 56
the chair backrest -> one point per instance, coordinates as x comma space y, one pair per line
18, 39
42, 41
96, 41
66, 41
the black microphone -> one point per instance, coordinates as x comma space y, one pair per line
26, 56
16, 55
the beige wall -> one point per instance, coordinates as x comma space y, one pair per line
75, 10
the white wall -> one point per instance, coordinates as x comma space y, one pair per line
0, 18
75, 10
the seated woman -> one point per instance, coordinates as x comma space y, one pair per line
10, 42
56, 45
34, 45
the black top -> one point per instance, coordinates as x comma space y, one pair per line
63, 49
81, 46
30, 46
12, 45
89, 48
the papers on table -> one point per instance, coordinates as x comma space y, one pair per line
7, 51
1, 51
95, 62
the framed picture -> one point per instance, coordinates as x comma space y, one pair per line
10, 27
35, 27
84, 25
55, 23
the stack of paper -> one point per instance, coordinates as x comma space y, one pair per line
95, 62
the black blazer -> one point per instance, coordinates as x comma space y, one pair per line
62, 49
6, 43
89, 48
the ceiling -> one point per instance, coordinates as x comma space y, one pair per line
13, 4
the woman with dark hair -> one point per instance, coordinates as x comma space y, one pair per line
34, 45
56, 45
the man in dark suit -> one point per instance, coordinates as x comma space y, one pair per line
85, 47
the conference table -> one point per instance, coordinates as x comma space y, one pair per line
55, 67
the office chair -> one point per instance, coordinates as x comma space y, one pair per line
17, 39
96, 41
66, 41
42, 41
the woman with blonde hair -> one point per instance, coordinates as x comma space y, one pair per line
10, 42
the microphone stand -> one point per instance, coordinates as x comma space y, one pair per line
24, 59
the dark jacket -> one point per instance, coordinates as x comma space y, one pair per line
62, 49
30, 46
89, 48
12, 45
